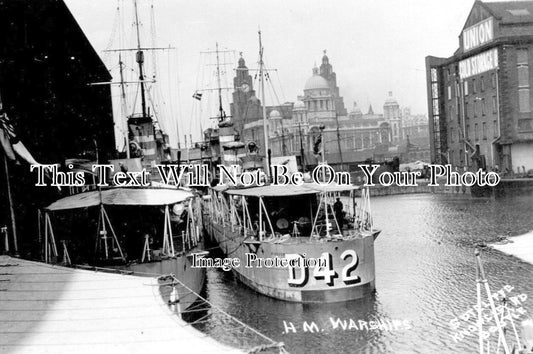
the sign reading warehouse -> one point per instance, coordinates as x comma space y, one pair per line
478, 64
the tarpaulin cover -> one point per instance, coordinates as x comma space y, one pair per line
122, 196
289, 190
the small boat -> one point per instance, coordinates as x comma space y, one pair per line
295, 243
145, 231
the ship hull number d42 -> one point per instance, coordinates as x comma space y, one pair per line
322, 269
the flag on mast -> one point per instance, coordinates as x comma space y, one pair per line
11, 144
197, 96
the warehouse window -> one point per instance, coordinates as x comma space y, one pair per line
493, 79
473, 85
522, 56
523, 100
495, 128
482, 84
494, 105
449, 92
523, 80
476, 132
484, 131
466, 88
523, 76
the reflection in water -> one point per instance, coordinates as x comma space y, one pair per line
425, 276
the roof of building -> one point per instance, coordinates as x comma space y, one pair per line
356, 110
298, 105
316, 82
274, 114
511, 11
242, 63
506, 12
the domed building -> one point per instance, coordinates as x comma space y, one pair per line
274, 122
348, 138
356, 112
318, 97
316, 82
298, 106
391, 108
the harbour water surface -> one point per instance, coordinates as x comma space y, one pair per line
425, 277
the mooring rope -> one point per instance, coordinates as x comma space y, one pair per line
176, 281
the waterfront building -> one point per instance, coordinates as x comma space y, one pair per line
391, 112
245, 107
479, 99
348, 137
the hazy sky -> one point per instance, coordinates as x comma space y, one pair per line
375, 46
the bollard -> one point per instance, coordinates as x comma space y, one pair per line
174, 300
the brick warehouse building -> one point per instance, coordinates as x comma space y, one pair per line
479, 99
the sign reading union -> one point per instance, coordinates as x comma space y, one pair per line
478, 64
478, 34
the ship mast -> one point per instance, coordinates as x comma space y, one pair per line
339, 138
221, 113
140, 60
262, 83
301, 147
123, 103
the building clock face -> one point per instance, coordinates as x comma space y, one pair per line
245, 87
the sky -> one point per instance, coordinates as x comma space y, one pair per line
374, 46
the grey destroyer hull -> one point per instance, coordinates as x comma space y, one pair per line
348, 272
